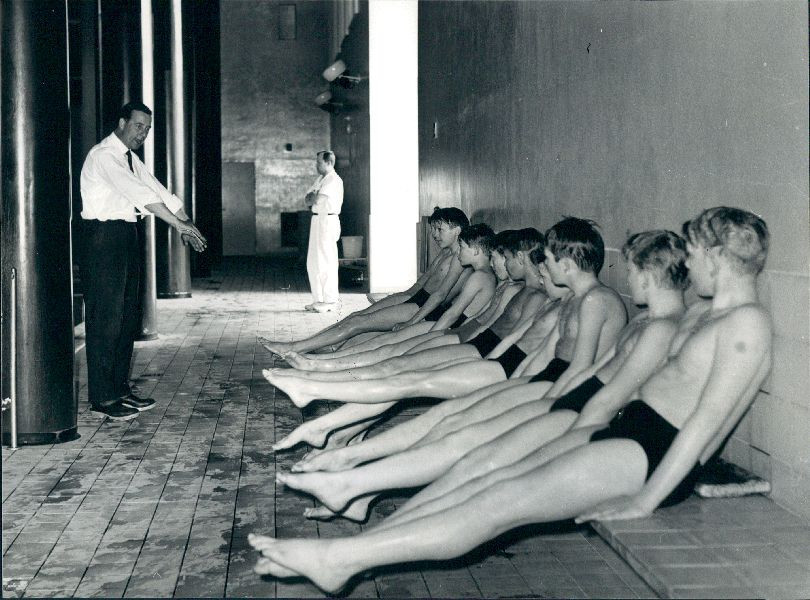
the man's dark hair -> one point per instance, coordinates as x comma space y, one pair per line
579, 240
525, 240
327, 156
453, 216
126, 110
480, 235
662, 253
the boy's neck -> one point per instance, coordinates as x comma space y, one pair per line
483, 266
662, 304
733, 292
532, 279
582, 282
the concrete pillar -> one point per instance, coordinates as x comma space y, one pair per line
394, 132
36, 219
174, 265
149, 321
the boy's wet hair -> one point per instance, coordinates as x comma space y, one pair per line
500, 240
579, 240
662, 253
742, 235
451, 215
525, 240
479, 235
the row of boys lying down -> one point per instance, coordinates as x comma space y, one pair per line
556, 407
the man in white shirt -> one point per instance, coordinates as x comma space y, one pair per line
325, 199
116, 187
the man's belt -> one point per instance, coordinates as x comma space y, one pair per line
327, 214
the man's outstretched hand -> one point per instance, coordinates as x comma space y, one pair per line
191, 236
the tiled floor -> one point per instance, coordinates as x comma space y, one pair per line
721, 548
161, 506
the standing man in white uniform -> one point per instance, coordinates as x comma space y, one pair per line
116, 188
325, 199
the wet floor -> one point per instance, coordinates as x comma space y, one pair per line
161, 506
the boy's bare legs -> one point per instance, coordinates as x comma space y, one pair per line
427, 359
493, 406
359, 359
396, 439
426, 462
521, 449
605, 471
449, 382
380, 320
526, 434
315, 432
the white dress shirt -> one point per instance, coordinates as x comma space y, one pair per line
331, 186
110, 191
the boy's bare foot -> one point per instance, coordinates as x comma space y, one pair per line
307, 432
289, 385
313, 559
329, 488
277, 348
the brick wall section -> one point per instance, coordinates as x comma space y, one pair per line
268, 87
637, 115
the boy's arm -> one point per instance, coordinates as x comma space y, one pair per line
590, 319
649, 352
436, 298
476, 284
740, 364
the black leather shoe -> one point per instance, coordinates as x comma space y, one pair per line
139, 404
115, 412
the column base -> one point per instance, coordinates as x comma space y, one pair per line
170, 295
147, 336
38, 439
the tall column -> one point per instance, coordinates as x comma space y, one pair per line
149, 323
36, 217
174, 278
394, 129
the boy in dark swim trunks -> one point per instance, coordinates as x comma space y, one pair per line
446, 278
656, 278
694, 400
589, 324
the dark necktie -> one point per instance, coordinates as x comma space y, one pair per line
129, 160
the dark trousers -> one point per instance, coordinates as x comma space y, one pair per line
110, 276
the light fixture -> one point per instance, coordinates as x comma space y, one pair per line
323, 98
336, 71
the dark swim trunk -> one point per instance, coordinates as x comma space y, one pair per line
458, 322
510, 359
577, 398
419, 298
437, 312
640, 423
552, 371
485, 342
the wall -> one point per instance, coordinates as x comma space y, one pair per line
268, 87
637, 115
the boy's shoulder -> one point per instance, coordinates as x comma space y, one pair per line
603, 295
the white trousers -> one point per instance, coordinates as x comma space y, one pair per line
322, 257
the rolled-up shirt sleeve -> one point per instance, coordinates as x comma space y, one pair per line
172, 202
